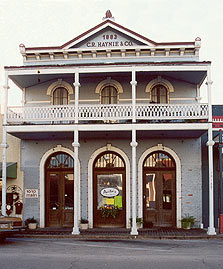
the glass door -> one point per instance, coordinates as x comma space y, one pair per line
60, 199
53, 200
68, 201
159, 198
109, 200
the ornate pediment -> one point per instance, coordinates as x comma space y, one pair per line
108, 38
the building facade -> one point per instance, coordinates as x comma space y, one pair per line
111, 128
14, 181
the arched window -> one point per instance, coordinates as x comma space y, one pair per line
109, 95
60, 92
159, 90
60, 160
159, 94
159, 159
109, 160
60, 96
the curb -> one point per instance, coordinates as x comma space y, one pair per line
119, 237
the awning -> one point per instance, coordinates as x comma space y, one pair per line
11, 170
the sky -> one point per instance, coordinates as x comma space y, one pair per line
54, 22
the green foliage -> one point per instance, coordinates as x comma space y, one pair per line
84, 221
138, 220
107, 212
30, 220
187, 220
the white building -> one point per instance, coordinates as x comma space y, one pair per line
111, 120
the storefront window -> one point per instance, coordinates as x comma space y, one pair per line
109, 191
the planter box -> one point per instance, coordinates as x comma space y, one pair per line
83, 226
32, 226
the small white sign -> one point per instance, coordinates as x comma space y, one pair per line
31, 193
109, 192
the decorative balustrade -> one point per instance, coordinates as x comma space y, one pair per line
30, 114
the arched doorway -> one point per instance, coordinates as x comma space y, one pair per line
59, 194
109, 190
159, 190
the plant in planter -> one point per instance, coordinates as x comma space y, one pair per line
187, 221
109, 211
84, 224
139, 222
31, 223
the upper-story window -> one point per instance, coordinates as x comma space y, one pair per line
159, 90
109, 95
109, 91
60, 96
159, 94
60, 92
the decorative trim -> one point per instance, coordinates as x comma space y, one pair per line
90, 182
42, 180
161, 81
210, 143
178, 180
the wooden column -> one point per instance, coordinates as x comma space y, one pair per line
134, 144
210, 144
76, 145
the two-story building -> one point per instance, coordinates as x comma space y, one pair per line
111, 124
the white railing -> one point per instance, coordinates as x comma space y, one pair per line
107, 112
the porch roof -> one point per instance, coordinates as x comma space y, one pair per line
26, 76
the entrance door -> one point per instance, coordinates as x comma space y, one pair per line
159, 191
109, 191
60, 199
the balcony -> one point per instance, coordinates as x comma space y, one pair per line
106, 113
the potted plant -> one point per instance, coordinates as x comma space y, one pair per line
139, 222
109, 211
84, 224
31, 223
187, 221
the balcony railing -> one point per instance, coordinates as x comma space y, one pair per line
117, 112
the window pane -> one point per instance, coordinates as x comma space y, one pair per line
150, 191
109, 190
60, 96
109, 95
54, 191
167, 190
159, 94
69, 191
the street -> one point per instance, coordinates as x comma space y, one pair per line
67, 253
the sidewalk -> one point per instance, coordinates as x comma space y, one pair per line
118, 233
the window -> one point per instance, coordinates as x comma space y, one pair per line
159, 94
159, 90
60, 92
60, 160
109, 95
109, 91
60, 96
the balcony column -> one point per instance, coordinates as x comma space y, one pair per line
76, 145
133, 83
134, 144
210, 144
77, 86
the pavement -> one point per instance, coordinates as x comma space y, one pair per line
118, 233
